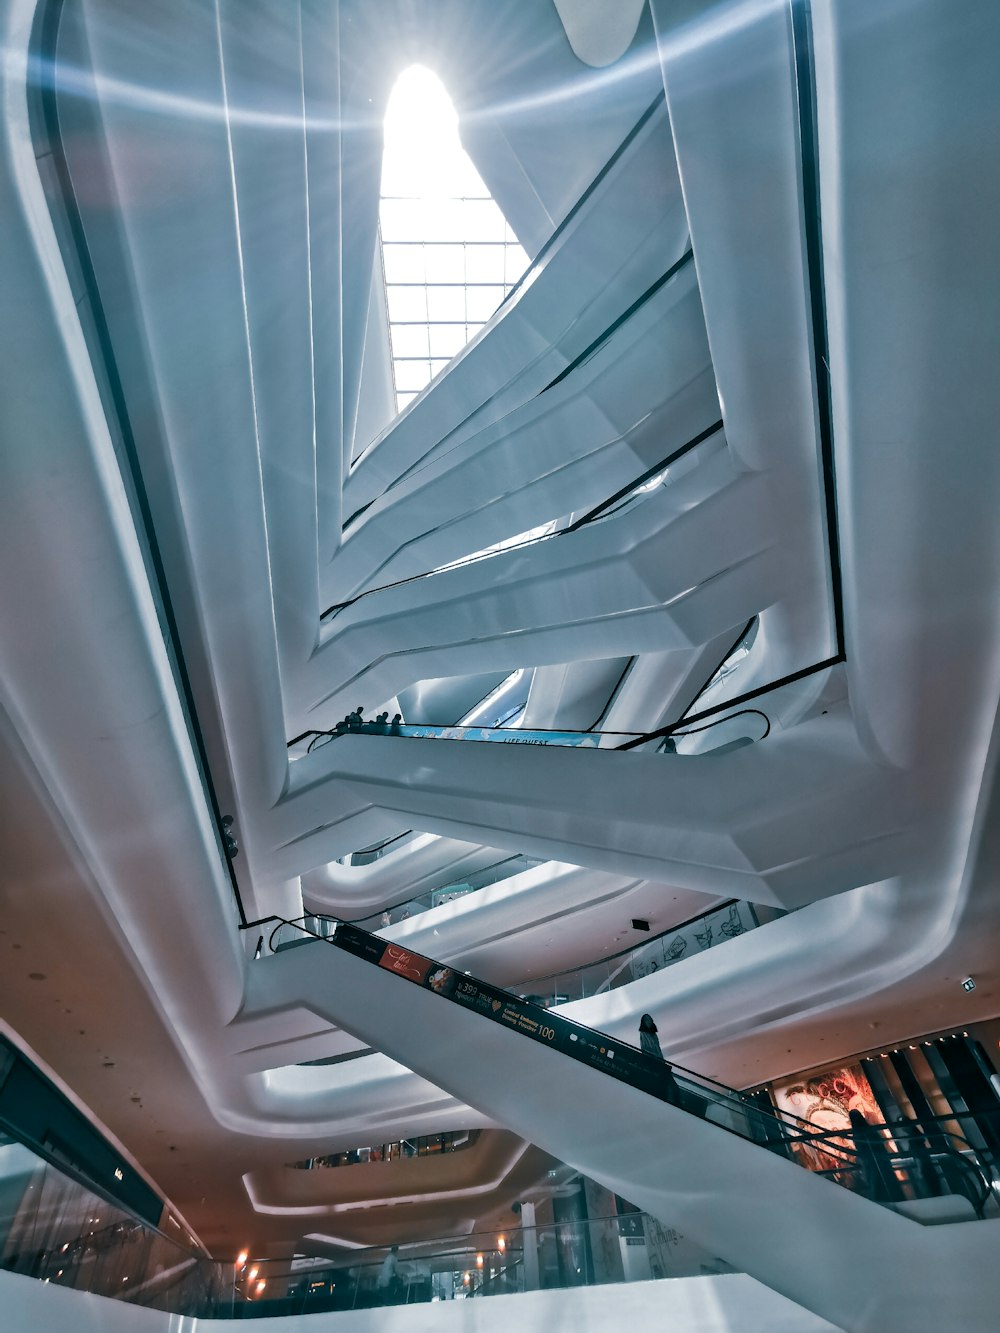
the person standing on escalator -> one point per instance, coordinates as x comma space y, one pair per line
650, 1043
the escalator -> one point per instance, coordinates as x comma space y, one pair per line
720, 1168
738, 731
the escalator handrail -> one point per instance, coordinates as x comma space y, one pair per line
592, 516
561, 737
390, 907
375, 948
642, 1070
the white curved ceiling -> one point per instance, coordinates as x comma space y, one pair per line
226, 177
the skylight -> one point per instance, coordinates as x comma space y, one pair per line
449, 255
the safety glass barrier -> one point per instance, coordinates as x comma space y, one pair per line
367, 855
734, 729
654, 954
660, 951
54, 1229
923, 1168
857, 1156
485, 878
287, 935
424, 1145
591, 740
579, 1252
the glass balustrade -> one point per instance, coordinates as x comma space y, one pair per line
54, 1229
425, 1145
625, 1247
686, 940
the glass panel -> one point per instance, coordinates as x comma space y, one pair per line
411, 376
447, 339
403, 263
483, 221
60, 1232
409, 340
482, 302
514, 263
484, 263
439, 225
449, 221
407, 304
445, 263
446, 304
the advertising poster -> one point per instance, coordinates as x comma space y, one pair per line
413, 966
825, 1100
713, 928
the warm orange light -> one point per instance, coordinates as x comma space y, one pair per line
501, 1244
260, 1286
253, 1272
242, 1257
479, 1261
466, 1278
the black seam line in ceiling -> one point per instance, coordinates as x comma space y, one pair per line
539, 257
577, 361
590, 516
44, 116
613, 328
805, 87
629, 664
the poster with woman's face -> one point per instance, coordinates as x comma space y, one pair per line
825, 1101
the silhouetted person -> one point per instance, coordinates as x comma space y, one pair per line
389, 1283
354, 720
381, 724
650, 1043
878, 1178
394, 726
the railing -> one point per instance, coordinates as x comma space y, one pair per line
367, 855
424, 1145
533, 269
848, 1161
663, 740
905, 1162
59, 1232
581, 1252
633, 491
684, 940
288, 933
54, 1229
486, 878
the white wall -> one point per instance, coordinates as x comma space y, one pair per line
732, 1304
29, 1306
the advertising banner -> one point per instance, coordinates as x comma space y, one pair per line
825, 1101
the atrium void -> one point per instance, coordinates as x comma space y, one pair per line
449, 255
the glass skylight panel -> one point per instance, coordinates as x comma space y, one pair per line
449, 255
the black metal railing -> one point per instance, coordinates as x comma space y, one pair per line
865, 1158
582, 740
612, 505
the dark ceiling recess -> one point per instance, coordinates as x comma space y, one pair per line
639, 924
